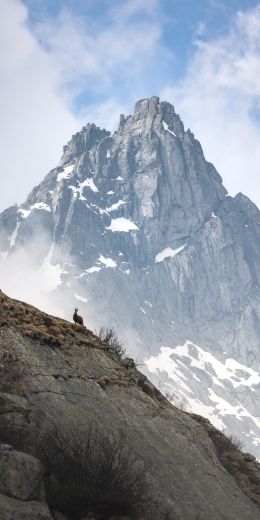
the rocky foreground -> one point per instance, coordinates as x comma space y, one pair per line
84, 435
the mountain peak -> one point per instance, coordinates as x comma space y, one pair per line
82, 141
137, 227
147, 105
153, 113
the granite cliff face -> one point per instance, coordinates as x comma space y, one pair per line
56, 376
138, 230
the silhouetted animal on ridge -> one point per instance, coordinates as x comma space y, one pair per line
78, 319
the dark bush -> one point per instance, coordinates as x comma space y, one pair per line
225, 444
236, 443
109, 335
89, 470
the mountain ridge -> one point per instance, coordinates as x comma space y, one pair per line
100, 221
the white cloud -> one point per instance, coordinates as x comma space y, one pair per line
219, 99
105, 114
34, 122
23, 277
112, 66
122, 10
98, 56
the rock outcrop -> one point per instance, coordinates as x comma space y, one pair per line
61, 385
138, 230
21, 485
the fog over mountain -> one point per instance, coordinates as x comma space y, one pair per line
137, 230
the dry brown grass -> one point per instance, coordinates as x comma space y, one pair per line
60, 334
103, 381
39, 326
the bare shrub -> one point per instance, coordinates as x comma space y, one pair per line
129, 363
235, 442
90, 470
139, 362
109, 335
177, 400
225, 444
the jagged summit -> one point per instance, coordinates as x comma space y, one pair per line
138, 227
149, 155
157, 112
149, 111
82, 141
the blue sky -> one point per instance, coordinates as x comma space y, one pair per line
179, 23
67, 62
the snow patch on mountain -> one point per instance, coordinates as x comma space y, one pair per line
168, 252
38, 205
78, 191
93, 269
14, 234
67, 171
165, 126
114, 207
24, 212
88, 183
121, 224
208, 384
108, 262
229, 370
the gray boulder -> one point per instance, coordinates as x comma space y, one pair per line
13, 509
21, 475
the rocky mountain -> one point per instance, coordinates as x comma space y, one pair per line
85, 436
137, 229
